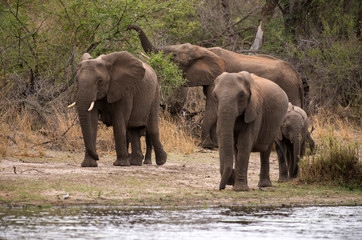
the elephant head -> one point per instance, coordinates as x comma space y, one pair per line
200, 66
236, 95
108, 78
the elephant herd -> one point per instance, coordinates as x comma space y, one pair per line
252, 102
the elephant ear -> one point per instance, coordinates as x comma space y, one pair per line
206, 66
85, 56
126, 73
254, 106
290, 107
279, 136
301, 112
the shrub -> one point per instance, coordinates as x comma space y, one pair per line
169, 76
335, 162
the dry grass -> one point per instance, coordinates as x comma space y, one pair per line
174, 137
337, 159
21, 135
3, 139
325, 121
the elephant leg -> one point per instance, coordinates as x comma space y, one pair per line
241, 172
265, 168
208, 127
153, 132
148, 150
119, 131
128, 141
243, 149
89, 160
283, 170
136, 154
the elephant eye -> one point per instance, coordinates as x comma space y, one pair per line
99, 81
214, 96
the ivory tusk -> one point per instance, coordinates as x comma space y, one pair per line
71, 105
91, 107
145, 56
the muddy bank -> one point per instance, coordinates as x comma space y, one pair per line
185, 180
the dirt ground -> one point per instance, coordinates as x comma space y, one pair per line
185, 180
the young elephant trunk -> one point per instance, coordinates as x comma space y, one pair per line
225, 130
293, 168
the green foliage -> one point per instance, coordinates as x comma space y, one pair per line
336, 74
176, 21
325, 50
334, 162
168, 73
41, 41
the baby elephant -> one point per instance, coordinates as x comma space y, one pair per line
250, 110
291, 141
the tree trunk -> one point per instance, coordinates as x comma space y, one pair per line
225, 9
266, 14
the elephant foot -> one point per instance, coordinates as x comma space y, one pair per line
283, 179
147, 161
265, 183
231, 180
122, 162
238, 187
136, 160
161, 157
209, 144
293, 177
89, 163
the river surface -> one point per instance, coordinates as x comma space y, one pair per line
340, 222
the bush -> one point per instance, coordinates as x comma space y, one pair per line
335, 162
334, 73
325, 52
169, 76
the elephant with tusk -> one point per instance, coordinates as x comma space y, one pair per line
124, 93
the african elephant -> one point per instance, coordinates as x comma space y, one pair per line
202, 65
124, 91
291, 139
250, 110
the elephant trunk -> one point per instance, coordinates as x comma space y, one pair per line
225, 128
293, 173
145, 42
88, 131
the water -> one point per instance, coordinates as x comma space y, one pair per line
341, 222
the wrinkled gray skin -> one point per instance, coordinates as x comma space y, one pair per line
291, 140
133, 137
126, 95
250, 110
202, 65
